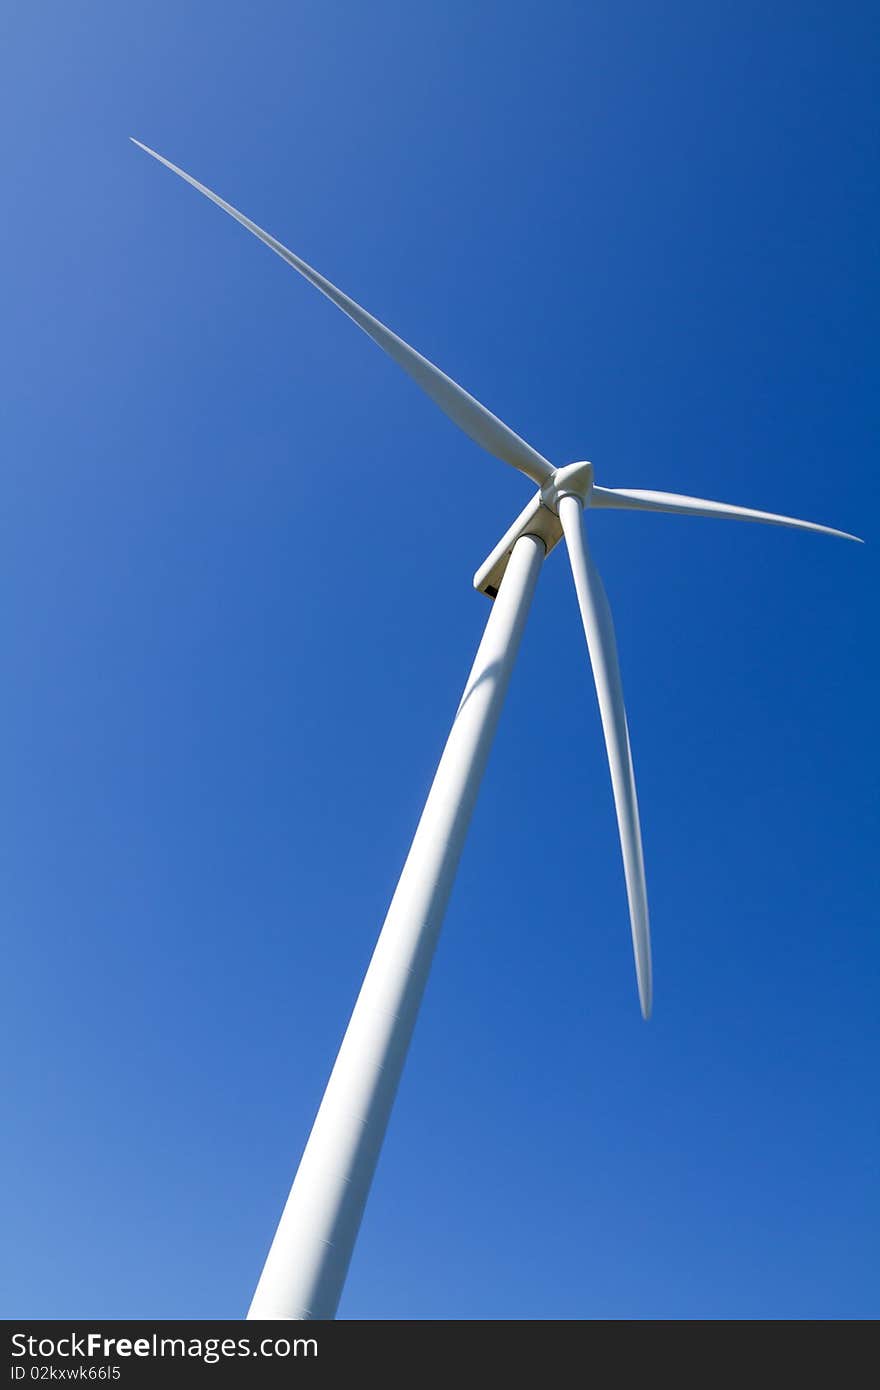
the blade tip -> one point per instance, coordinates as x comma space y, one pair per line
146, 148
645, 981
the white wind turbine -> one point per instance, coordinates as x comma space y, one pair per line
310, 1254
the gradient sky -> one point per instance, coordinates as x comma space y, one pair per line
237, 555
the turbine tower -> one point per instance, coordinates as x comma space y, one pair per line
310, 1254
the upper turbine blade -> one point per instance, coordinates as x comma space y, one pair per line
634, 499
599, 630
466, 412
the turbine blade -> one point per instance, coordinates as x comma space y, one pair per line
466, 412
636, 500
602, 646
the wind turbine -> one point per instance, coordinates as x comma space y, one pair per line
310, 1254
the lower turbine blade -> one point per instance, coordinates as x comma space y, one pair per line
602, 646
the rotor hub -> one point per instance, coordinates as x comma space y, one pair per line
573, 480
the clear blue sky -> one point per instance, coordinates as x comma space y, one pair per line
237, 555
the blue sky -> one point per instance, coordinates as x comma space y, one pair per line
237, 556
